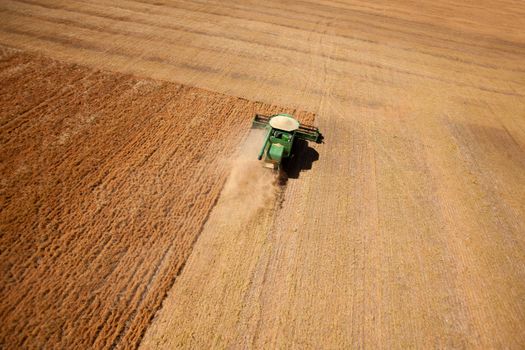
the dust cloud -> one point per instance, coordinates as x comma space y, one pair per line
251, 187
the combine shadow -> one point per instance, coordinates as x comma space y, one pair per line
303, 156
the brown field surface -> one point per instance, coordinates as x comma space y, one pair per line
107, 180
407, 232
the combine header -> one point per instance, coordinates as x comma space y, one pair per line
282, 130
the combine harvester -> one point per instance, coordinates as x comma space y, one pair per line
282, 131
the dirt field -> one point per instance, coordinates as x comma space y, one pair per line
407, 232
107, 180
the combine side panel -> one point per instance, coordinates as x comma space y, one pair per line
266, 141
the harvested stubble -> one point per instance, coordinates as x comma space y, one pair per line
107, 180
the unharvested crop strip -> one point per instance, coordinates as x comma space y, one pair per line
107, 180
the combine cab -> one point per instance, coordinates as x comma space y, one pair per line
282, 130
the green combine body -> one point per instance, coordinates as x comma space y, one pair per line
281, 131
